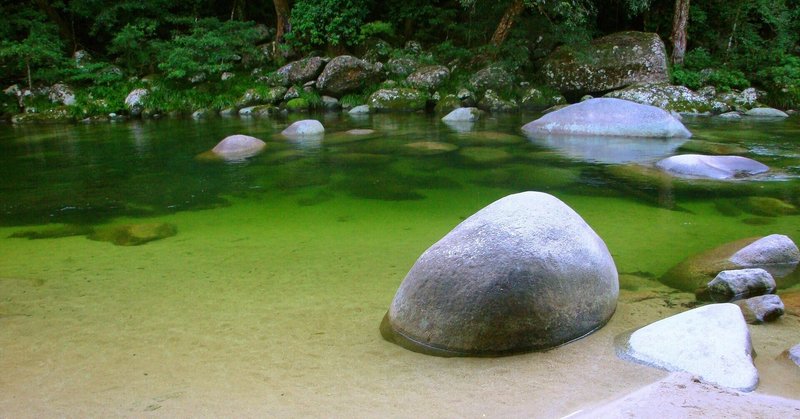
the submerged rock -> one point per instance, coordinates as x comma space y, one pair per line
761, 309
740, 284
134, 234
67, 230
607, 149
712, 342
235, 147
766, 113
463, 115
306, 127
524, 273
776, 254
712, 167
612, 117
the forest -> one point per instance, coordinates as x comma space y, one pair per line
105, 48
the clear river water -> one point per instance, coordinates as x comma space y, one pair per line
268, 299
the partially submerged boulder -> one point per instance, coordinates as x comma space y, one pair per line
608, 63
463, 115
761, 309
237, 147
712, 167
740, 284
306, 127
766, 113
777, 254
607, 116
711, 342
524, 273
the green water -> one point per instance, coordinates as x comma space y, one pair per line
283, 265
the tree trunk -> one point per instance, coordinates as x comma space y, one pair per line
679, 23
282, 11
507, 22
64, 28
28, 68
237, 12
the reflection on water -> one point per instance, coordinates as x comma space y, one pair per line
610, 150
283, 264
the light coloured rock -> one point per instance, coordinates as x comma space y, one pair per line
227, 76
607, 116
134, 102
712, 342
794, 354
428, 77
730, 115
492, 102
463, 115
775, 249
766, 113
397, 100
236, 147
361, 131
760, 309
359, 110
524, 273
665, 96
306, 127
711, 167
740, 284
62, 94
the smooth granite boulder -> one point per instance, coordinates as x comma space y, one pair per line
301, 71
345, 74
766, 113
711, 167
740, 284
304, 128
524, 273
760, 309
236, 147
711, 342
463, 115
611, 117
776, 253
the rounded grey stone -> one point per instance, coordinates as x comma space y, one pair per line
712, 167
524, 273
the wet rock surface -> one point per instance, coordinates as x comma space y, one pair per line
740, 284
712, 342
760, 309
712, 167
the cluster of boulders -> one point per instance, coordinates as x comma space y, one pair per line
627, 65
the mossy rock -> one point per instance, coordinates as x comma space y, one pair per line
358, 159
768, 207
430, 147
489, 138
297, 105
447, 104
710, 147
134, 234
398, 100
58, 115
665, 96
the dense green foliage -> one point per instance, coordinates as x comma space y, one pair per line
732, 44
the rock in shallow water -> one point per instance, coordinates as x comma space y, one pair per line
524, 273
607, 116
764, 308
712, 167
238, 146
740, 283
134, 234
306, 127
712, 342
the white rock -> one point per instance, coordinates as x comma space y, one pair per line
794, 354
463, 115
712, 342
730, 115
712, 167
608, 116
775, 249
237, 147
766, 113
737, 284
360, 109
306, 127
134, 101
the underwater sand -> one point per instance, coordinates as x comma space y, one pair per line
268, 307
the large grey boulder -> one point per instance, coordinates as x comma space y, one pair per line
609, 117
344, 74
712, 342
740, 284
304, 128
490, 78
711, 167
524, 273
608, 63
235, 147
428, 77
301, 71
134, 102
776, 253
